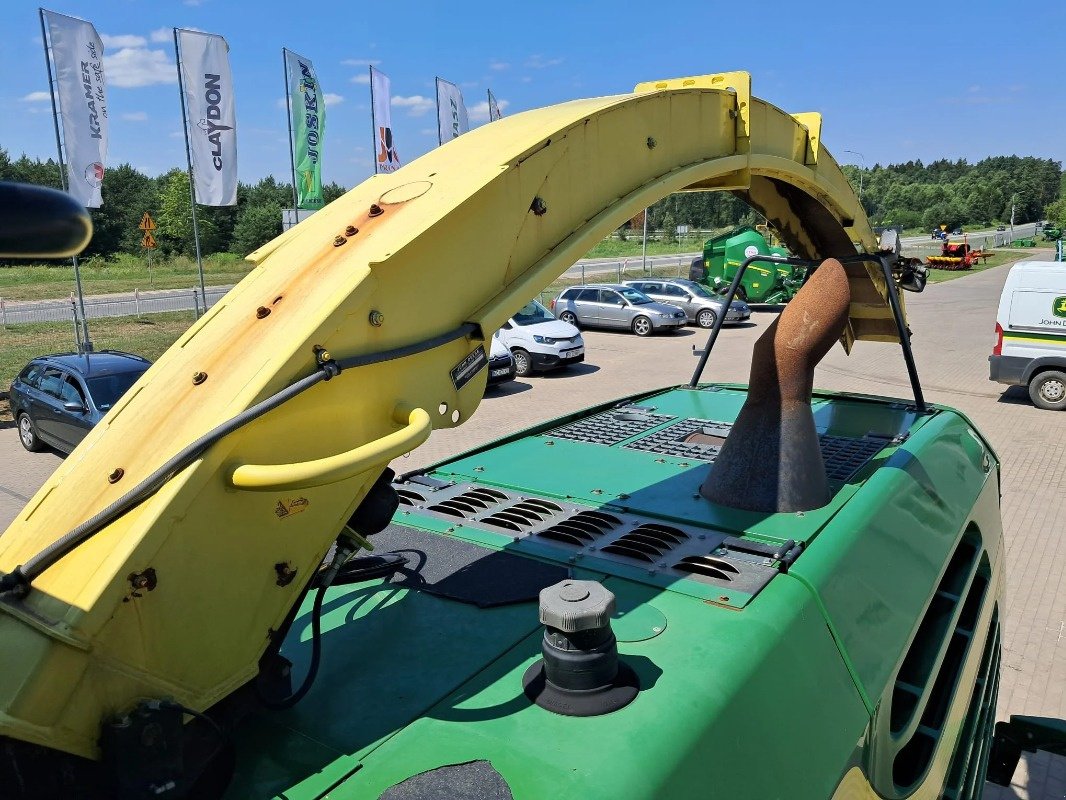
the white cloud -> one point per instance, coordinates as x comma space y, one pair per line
36, 97
416, 104
540, 62
362, 78
135, 116
429, 132
192, 3
480, 112
280, 103
361, 62
161, 35
499, 65
331, 99
124, 40
132, 67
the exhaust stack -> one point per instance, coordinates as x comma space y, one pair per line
771, 461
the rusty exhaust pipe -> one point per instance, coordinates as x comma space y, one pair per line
771, 461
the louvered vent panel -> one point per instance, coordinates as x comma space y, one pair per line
409, 497
523, 515
470, 503
582, 528
648, 542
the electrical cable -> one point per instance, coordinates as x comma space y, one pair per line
312, 668
19, 579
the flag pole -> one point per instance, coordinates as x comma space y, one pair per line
292, 144
188, 156
373, 124
86, 344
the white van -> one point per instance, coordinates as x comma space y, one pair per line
538, 341
1031, 332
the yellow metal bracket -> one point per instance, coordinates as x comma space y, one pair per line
737, 83
812, 121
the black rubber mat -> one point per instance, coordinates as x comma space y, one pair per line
464, 571
475, 780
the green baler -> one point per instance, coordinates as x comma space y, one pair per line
762, 282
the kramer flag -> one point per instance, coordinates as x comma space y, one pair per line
308, 111
386, 158
452, 120
78, 55
210, 116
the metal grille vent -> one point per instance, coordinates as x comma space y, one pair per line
671, 440
708, 567
409, 497
648, 542
844, 456
609, 427
582, 528
469, 503
523, 515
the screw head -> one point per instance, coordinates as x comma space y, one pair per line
116, 475
538, 207
651, 143
351, 230
199, 378
337, 242
376, 318
376, 210
262, 312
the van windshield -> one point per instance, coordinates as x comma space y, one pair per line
532, 313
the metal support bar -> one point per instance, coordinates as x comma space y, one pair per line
858, 258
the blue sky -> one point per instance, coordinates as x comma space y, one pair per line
894, 81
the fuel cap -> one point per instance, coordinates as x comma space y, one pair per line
572, 606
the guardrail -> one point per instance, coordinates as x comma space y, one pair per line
136, 304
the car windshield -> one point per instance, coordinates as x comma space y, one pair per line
532, 313
107, 389
697, 288
633, 296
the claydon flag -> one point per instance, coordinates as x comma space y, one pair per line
494, 108
78, 55
452, 120
211, 124
386, 158
308, 128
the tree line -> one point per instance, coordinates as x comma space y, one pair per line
128, 193
912, 194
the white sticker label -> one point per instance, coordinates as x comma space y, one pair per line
751, 250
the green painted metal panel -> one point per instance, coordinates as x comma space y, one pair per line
718, 686
877, 565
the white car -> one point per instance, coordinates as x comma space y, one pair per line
501, 362
538, 341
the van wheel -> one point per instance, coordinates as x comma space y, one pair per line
1048, 390
523, 364
706, 318
569, 318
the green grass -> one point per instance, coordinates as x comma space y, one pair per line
633, 247
147, 336
122, 273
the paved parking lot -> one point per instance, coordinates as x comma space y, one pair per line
953, 324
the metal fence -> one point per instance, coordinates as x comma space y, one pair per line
135, 304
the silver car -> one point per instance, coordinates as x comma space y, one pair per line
616, 306
700, 304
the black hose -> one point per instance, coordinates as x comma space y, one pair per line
312, 668
19, 579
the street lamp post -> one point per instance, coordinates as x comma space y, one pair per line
860, 155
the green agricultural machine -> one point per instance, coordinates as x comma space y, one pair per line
703, 591
762, 282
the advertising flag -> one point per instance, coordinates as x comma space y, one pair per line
385, 156
78, 55
494, 107
308, 110
451, 112
210, 116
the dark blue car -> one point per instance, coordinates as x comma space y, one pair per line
57, 399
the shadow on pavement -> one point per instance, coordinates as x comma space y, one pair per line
569, 372
506, 389
1015, 395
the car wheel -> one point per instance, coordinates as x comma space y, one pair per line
523, 364
642, 326
706, 318
28, 434
569, 318
1048, 390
